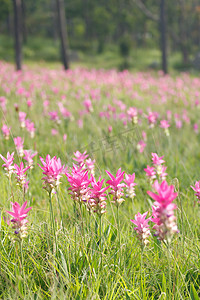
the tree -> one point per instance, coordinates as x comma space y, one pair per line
18, 33
63, 32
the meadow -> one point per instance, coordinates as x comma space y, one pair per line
99, 148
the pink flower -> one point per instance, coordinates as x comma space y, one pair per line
28, 156
54, 131
64, 137
54, 116
8, 166
79, 184
52, 169
152, 118
22, 118
29, 103
19, 220
88, 105
141, 146
97, 200
80, 157
150, 173
196, 128
197, 190
130, 184
164, 124
116, 186
21, 176
163, 210
133, 114
142, 227
30, 127
6, 131
90, 165
156, 159
19, 143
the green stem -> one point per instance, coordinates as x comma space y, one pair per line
53, 221
100, 239
75, 228
61, 216
22, 267
119, 235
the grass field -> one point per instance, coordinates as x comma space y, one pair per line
68, 251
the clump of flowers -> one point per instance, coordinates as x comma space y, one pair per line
19, 220
116, 187
53, 170
142, 227
197, 190
163, 210
130, 185
8, 166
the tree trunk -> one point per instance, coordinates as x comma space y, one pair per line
63, 32
163, 37
24, 29
18, 33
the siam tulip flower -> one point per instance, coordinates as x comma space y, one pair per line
8, 166
179, 124
116, 186
163, 174
97, 201
141, 146
79, 184
64, 137
6, 131
196, 128
197, 190
19, 143
29, 103
163, 210
28, 156
52, 169
54, 116
80, 158
88, 105
152, 118
133, 114
30, 127
54, 131
130, 184
150, 173
3, 101
142, 228
90, 165
165, 125
110, 129
21, 176
80, 123
158, 161
144, 135
19, 220
22, 118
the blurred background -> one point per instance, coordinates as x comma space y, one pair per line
121, 34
